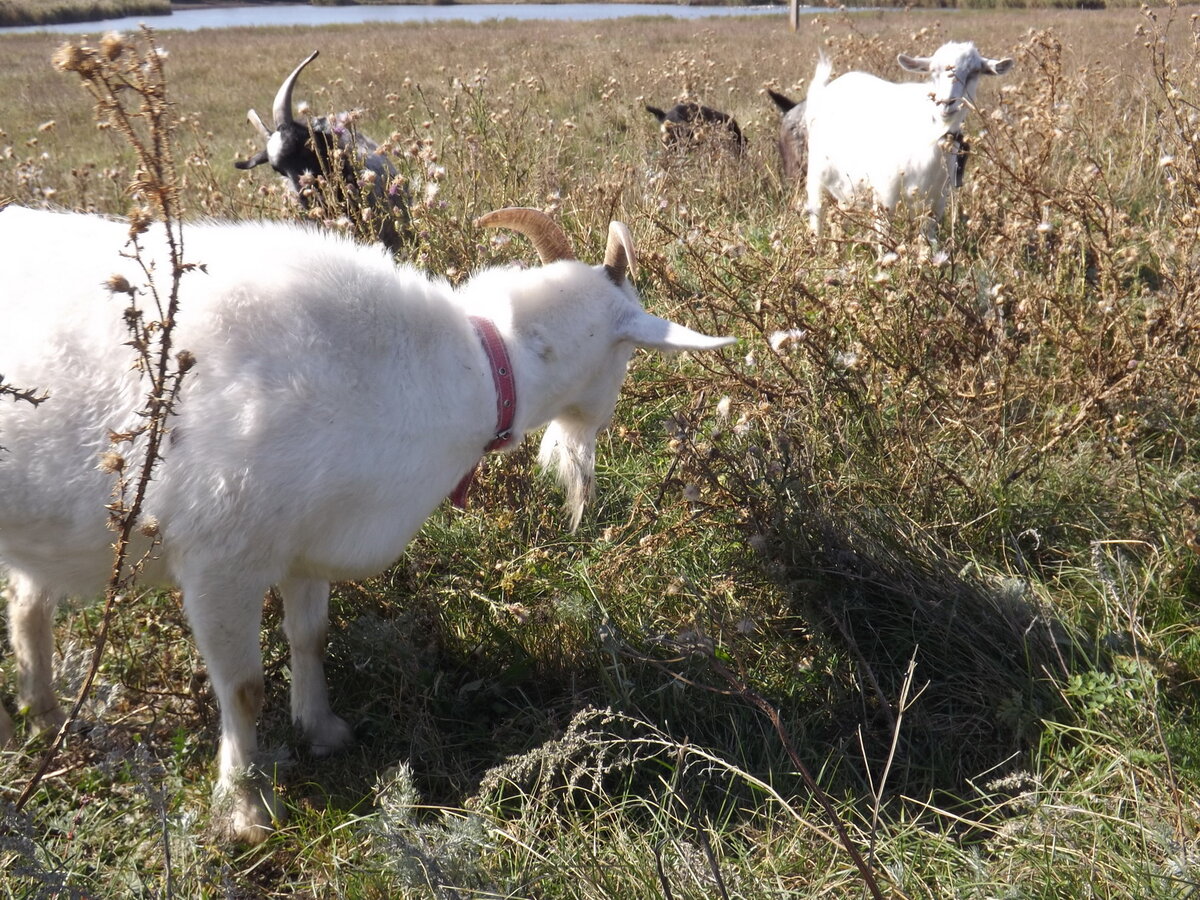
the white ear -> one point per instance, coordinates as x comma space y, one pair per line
653, 333
997, 66
913, 63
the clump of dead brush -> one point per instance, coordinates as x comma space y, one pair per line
1003, 397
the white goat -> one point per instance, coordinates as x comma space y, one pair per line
884, 142
335, 401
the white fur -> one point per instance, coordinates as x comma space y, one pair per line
884, 142
335, 401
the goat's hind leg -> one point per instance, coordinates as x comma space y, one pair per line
306, 622
6, 728
225, 613
31, 622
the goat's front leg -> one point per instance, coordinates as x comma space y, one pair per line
225, 612
814, 191
929, 228
31, 623
305, 622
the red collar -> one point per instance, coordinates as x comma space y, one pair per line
506, 398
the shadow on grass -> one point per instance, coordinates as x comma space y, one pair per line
983, 659
986, 661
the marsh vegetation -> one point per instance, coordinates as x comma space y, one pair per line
927, 533
45, 12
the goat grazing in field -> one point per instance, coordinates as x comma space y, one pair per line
793, 135
885, 142
690, 124
328, 146
336, 399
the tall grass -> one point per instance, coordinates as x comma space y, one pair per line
49, 12
937, 511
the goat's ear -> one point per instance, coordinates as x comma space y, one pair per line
997, 66
913, 63
253, 118
256, 160
619, 257
653, 333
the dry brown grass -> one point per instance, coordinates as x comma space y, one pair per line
47, 12
593, 75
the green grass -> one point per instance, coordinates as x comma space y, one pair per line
949, 533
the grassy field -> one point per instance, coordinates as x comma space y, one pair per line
41, 12
937, 549
45, 12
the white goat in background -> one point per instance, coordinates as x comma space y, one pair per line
885, 142
335, 401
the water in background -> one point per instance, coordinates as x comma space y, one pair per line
274, 14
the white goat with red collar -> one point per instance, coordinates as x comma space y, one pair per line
336, 399
870, 139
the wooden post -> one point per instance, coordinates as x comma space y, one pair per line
794, 14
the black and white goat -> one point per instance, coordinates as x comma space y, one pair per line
302, 151
884, 142
793, 135
691, 124
336, 399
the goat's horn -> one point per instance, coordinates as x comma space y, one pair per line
619, 255
262, 129
547, 238
283, 99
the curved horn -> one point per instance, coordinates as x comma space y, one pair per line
619, 254
543, 232
283, 99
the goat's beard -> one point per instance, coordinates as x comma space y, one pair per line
570, 452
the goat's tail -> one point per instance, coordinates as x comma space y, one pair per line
820, 77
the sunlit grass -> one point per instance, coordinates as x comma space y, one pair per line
48, 12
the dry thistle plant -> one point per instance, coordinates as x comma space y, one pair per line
337, 201
17, 393
128, 84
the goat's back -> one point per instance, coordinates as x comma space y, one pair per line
314, 356
861, 103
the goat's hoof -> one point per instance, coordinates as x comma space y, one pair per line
48, 721
251, 825
244, 814
330, 736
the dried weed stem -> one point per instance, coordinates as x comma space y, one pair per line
127, 81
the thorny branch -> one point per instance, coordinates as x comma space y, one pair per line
128, 84
28, 395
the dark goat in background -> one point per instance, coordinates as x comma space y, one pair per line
329, 146
793, 135
685, 124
